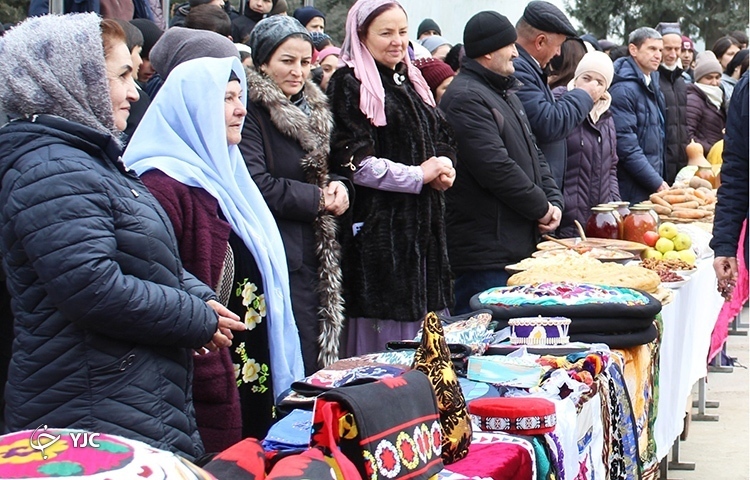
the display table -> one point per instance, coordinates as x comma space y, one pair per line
688, 323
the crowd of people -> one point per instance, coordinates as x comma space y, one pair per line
192, 219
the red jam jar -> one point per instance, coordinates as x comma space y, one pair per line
602, 223
623, 208
640, 221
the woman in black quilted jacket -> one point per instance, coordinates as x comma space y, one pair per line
105, 317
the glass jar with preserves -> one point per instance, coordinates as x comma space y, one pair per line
602, 223
623, 208
617, 215
640, 221
706, 173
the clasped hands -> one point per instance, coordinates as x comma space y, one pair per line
336, 198
551, 220
438, 172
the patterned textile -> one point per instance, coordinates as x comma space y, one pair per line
473, 331
521, 372
400, 357
623, 447
244, 460
434, 360
51, 453
473, 390
327, 379
640, 366
290, 433
590, 441
385, 429
495, 456
517, 415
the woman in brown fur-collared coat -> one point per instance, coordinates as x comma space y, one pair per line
285, 143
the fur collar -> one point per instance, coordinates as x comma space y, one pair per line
311, 132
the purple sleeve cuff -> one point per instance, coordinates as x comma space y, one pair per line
389, 176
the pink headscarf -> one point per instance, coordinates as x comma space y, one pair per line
355, 55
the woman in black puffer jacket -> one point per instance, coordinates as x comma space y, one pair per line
591, 171
105, 317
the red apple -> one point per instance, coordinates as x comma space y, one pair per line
650, 238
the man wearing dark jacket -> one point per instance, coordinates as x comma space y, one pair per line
732, 208
541, 31
504, 194
672, 86
638, 110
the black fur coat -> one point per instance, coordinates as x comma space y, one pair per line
396, 267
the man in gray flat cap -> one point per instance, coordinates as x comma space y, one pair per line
541, 31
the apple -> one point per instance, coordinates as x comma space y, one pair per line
651, 253
667, 230
664, 245
682, 241
671, 255
650, 238
687, 256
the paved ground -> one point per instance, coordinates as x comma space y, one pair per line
721, 450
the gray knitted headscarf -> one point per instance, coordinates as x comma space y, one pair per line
54, 64
270, 32
179, 44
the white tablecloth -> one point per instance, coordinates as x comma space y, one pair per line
688, 323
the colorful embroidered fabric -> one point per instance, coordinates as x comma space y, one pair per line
434, 360
640, 366
623, 446
582, 367
52, 453
517, 415
474, 332
396, 357
385, 429
326, 379
561, 294
494, 456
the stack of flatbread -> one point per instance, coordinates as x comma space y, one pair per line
588, 270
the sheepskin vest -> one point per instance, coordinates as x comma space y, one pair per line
312, 133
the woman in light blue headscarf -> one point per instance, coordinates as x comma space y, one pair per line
185, 149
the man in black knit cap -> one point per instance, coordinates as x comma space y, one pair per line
504, 195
